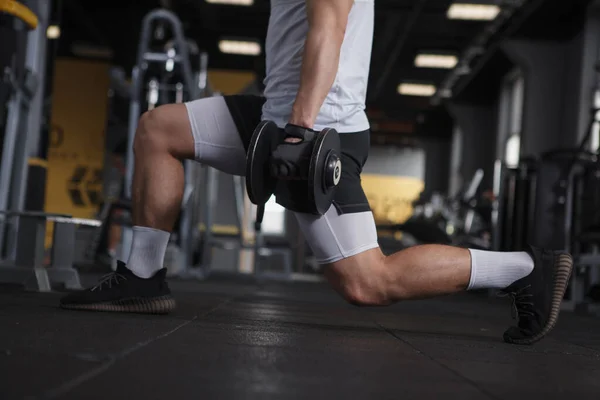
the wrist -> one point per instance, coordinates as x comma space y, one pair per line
302, 122
302, 119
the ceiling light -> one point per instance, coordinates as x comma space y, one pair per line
245, 48
232, 2
474, 12
416, 89
436, 61
53, 32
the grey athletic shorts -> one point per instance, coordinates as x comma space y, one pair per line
222, 129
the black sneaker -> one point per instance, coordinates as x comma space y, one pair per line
537, 297
122, 291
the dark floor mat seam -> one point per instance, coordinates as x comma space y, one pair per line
596, 352
452, 371
79, 380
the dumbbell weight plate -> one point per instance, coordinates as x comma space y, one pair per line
260, 184
321, 186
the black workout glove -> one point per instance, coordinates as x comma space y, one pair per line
299, 132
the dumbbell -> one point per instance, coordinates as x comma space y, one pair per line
313, 160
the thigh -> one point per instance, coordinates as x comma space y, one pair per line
348, 228
333, 236
222, 128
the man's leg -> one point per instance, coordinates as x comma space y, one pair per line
425, 271
163, 139
434, 270
355, 266
203, 130
346, 244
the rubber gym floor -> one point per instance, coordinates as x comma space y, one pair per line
231, 339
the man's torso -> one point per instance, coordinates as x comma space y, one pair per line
344, 107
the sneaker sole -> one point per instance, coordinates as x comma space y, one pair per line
563, 267
137, 305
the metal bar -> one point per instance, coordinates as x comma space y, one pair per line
575, 296
195, 204
473, 185
185, 226
569, 208
36, 64
178, 92
203, 74
169, 87
508, 228
521, 208
63, 245
497, 205
161, 57
238, 191
134, 115
30, 242
8, 154
77, 221
37, 214
211, 184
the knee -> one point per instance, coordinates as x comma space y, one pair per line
150, 135
363, 286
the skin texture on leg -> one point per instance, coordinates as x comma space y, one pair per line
373, 279
163, 138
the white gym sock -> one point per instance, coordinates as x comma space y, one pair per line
148, 250
498, 270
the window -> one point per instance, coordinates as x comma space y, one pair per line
513, 151
511, 119
594, 142
455, 162
274, 220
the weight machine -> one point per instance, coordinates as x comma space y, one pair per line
168, 76
551, 201
576, 197
20, 82
23, 64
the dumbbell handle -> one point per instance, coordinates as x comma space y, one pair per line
285, 170
291, 161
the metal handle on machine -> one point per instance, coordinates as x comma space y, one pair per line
474, 185
171, 18
137, 76
238, 192
203, 74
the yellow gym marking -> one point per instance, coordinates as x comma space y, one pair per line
20, 11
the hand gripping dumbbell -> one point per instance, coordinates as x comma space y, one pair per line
311, 159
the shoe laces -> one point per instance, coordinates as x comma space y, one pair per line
521, 304
109, 280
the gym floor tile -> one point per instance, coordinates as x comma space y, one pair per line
541, 380
231, 339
